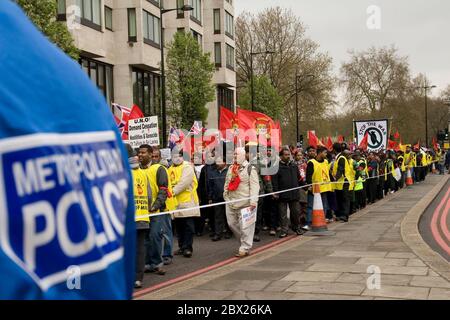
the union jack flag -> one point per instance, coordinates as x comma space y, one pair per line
175, 137
196, 128
121, 116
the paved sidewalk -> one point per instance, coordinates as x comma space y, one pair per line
333, 267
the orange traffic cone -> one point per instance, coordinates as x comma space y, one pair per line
319, 225
409, 180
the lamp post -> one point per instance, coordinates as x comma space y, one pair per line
163, 72
251, 73
297, 77
426, 88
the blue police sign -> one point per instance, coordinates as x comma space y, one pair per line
64, 176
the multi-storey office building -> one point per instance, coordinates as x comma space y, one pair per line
120, 45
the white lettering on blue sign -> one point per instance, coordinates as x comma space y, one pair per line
63, 199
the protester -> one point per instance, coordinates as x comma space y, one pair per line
142, 201
344, 185
206, 214
216, 183
318, 174
271, 217
241, 183
287, 177
372, 181
301, 164
184, 182
159, 238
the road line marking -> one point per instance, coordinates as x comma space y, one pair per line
190, 275
434, 225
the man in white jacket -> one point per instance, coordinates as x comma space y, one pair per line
241, 183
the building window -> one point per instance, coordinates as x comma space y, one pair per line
155, 2
230, 57
146, 91
225, 98
90, 11
61, 10
230, 1
196, 14
229, 25
180, 12
218, 54
108, 18
216, 21
181, 30
197, 36
132, 35
152, 29
101, 75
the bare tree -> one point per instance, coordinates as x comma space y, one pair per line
372, 77
281, 31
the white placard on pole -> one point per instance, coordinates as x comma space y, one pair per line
143, 131
377, 131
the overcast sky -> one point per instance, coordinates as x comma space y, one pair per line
420, 29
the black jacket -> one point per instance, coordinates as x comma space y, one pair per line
216, 183
287, 177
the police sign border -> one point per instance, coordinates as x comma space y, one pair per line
104, 221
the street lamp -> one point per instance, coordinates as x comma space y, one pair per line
297, 77
251, 73
163, 72
426, 110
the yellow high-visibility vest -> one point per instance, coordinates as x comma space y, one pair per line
402, 163
321, 174
187, 195
152, 171
347, 174
140, 188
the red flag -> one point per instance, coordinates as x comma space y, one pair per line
364, 142
135, 113
435, 144
392, 145
417, 146
340, 139
227, 119
396, 135
329, 144
313, 141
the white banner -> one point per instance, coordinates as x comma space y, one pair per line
143, 131
377, 131
248, 217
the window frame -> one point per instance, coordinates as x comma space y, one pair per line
227, 15
107, 68
217, 31
110, 10
218, 64
197, 20
151, 107
61, 16
86, 21
149, 41
156, 3
180, 13
130, 37
230, 66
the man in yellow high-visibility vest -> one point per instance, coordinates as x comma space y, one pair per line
142, 201
344, 184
